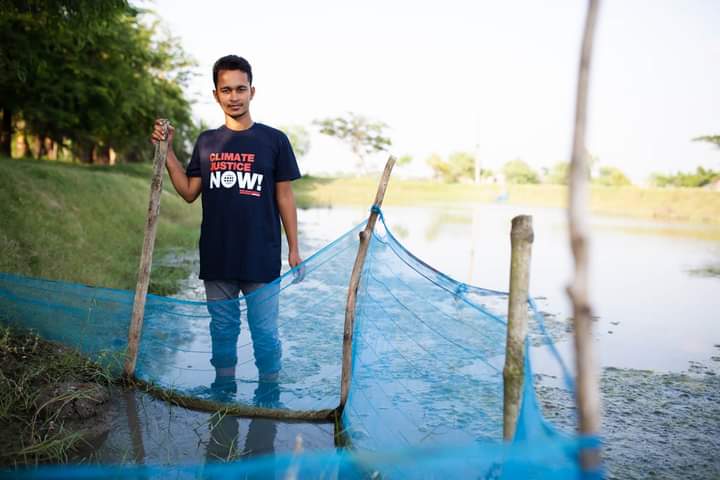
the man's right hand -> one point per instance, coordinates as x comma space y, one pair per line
157, 134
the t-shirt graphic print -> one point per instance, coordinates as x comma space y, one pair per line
240, 233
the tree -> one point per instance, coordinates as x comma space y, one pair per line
404, 160
558, 174
611, 177
517, 171
299, 139
362, 135
90, 76
700, 178
714, 139
459, 166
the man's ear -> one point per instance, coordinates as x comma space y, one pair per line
215, 95
252, 92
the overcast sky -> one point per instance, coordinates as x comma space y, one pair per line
496, 78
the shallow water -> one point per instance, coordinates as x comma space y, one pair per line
146, 430
652, 314
652, 311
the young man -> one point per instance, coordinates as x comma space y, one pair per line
243, 170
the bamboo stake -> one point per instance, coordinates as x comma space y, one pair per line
355, 282
136, 322
588, 392
521, 237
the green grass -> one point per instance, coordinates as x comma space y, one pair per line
86, 224
691, 205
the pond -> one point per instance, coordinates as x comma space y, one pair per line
657, 337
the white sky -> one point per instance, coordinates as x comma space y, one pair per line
493, 77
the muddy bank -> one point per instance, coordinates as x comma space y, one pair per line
654, 425
54, 403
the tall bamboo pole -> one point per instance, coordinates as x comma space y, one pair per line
521, 238
355, 282
588, 392
161, 149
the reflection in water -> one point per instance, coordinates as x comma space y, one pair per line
260, 438
134, 427
223, 442
149, 431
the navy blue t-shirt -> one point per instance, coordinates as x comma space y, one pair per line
240, 233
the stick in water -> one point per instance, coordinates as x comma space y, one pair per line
136, 322
355, 282
588, 392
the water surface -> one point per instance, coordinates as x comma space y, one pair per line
657, 336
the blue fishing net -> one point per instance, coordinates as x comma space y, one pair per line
426, 390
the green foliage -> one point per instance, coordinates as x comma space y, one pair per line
700, 178
714, 139
611, 177
459, 166
299, 139
404, 160
517, 171
362, 135
558, 174
91, 76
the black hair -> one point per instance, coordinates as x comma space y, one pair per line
232, 62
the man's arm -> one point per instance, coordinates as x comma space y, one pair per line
288, 214
189, 188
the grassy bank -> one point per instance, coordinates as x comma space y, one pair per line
690, 205
86, 224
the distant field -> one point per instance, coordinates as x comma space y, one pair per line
688, 205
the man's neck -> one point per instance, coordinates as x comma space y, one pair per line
240, 123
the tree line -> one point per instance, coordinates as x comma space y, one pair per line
460, 166
365, 137
84, 80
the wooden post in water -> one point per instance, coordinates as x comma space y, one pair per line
138, 312
521, 238
587, 391
355, 282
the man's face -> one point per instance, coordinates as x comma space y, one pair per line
234, 93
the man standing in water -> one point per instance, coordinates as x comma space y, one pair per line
243, 170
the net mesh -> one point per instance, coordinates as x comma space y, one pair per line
426, 389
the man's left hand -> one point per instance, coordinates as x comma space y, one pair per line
294, 260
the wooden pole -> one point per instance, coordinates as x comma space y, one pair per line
588, 392
521, 238
136, 322
355, 282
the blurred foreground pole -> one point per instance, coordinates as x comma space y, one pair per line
588, 392
521, 238
138, 312
365, 236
